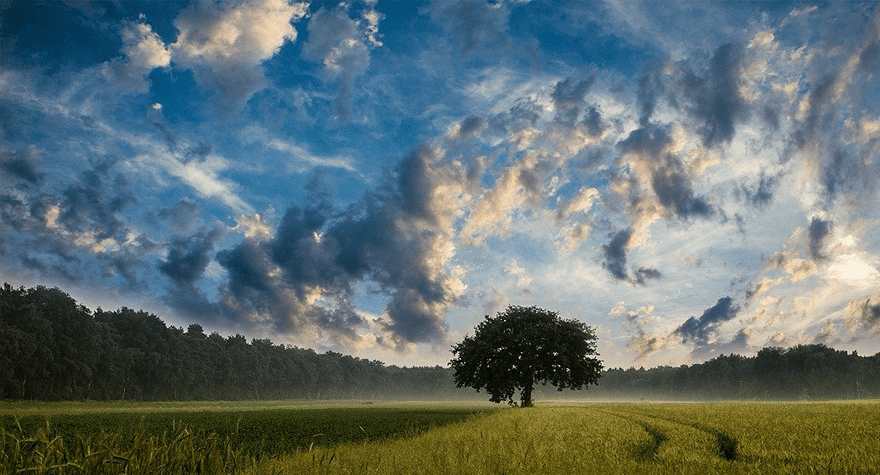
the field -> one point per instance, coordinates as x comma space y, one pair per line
468, 438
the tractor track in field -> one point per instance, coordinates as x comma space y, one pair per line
726, 446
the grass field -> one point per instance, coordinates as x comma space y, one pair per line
440, 438
615, 438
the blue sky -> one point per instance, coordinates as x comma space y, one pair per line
690, 178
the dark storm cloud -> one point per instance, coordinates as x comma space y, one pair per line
306, 261
714, 98
673, 188
248, 267
614, 260
614, 254
388, 238
188, 258
819, 230
21, 165
669, 179
699, 330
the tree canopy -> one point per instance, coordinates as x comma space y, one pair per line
53, 348
524, 346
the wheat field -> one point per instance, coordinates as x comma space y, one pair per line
443, 438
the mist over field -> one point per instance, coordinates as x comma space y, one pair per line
52, 348
372, 178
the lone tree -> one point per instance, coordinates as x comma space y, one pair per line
523, 346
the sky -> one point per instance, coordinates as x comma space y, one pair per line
373, 178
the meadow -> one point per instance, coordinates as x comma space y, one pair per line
461, 438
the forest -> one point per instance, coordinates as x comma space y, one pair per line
52, 348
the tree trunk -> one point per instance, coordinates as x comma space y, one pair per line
526, 395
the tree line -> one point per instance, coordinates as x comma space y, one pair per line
812, 371
52, 348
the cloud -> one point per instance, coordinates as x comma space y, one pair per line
187, 259
299, 158
614, 254
21, 165
224, 44
614, 260
651, 153
698, 331
714, 98
397, 238
761, 195
143, 51
515, 270
342, 45
467, 127
568, 98
182, 218
642, 343
863, 318
797, 269
738, 344
79, 233
516, 188
818, 232
474, 28
90, 206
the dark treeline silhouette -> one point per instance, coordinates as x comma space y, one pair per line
52, 348
800, 372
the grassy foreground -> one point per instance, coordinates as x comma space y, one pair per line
784, 438
440, 438
195, 437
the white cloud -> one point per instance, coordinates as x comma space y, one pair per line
854, 269
300, 158
515, 270
143, 48
242, 34
225, 44
143, 51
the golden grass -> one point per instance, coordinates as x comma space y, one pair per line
595, 438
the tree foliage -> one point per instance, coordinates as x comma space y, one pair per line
803, 372
522, 347
53, 348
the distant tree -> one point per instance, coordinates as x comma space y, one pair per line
524, 346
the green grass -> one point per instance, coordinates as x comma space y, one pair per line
595, 438
432, 438
261, 428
